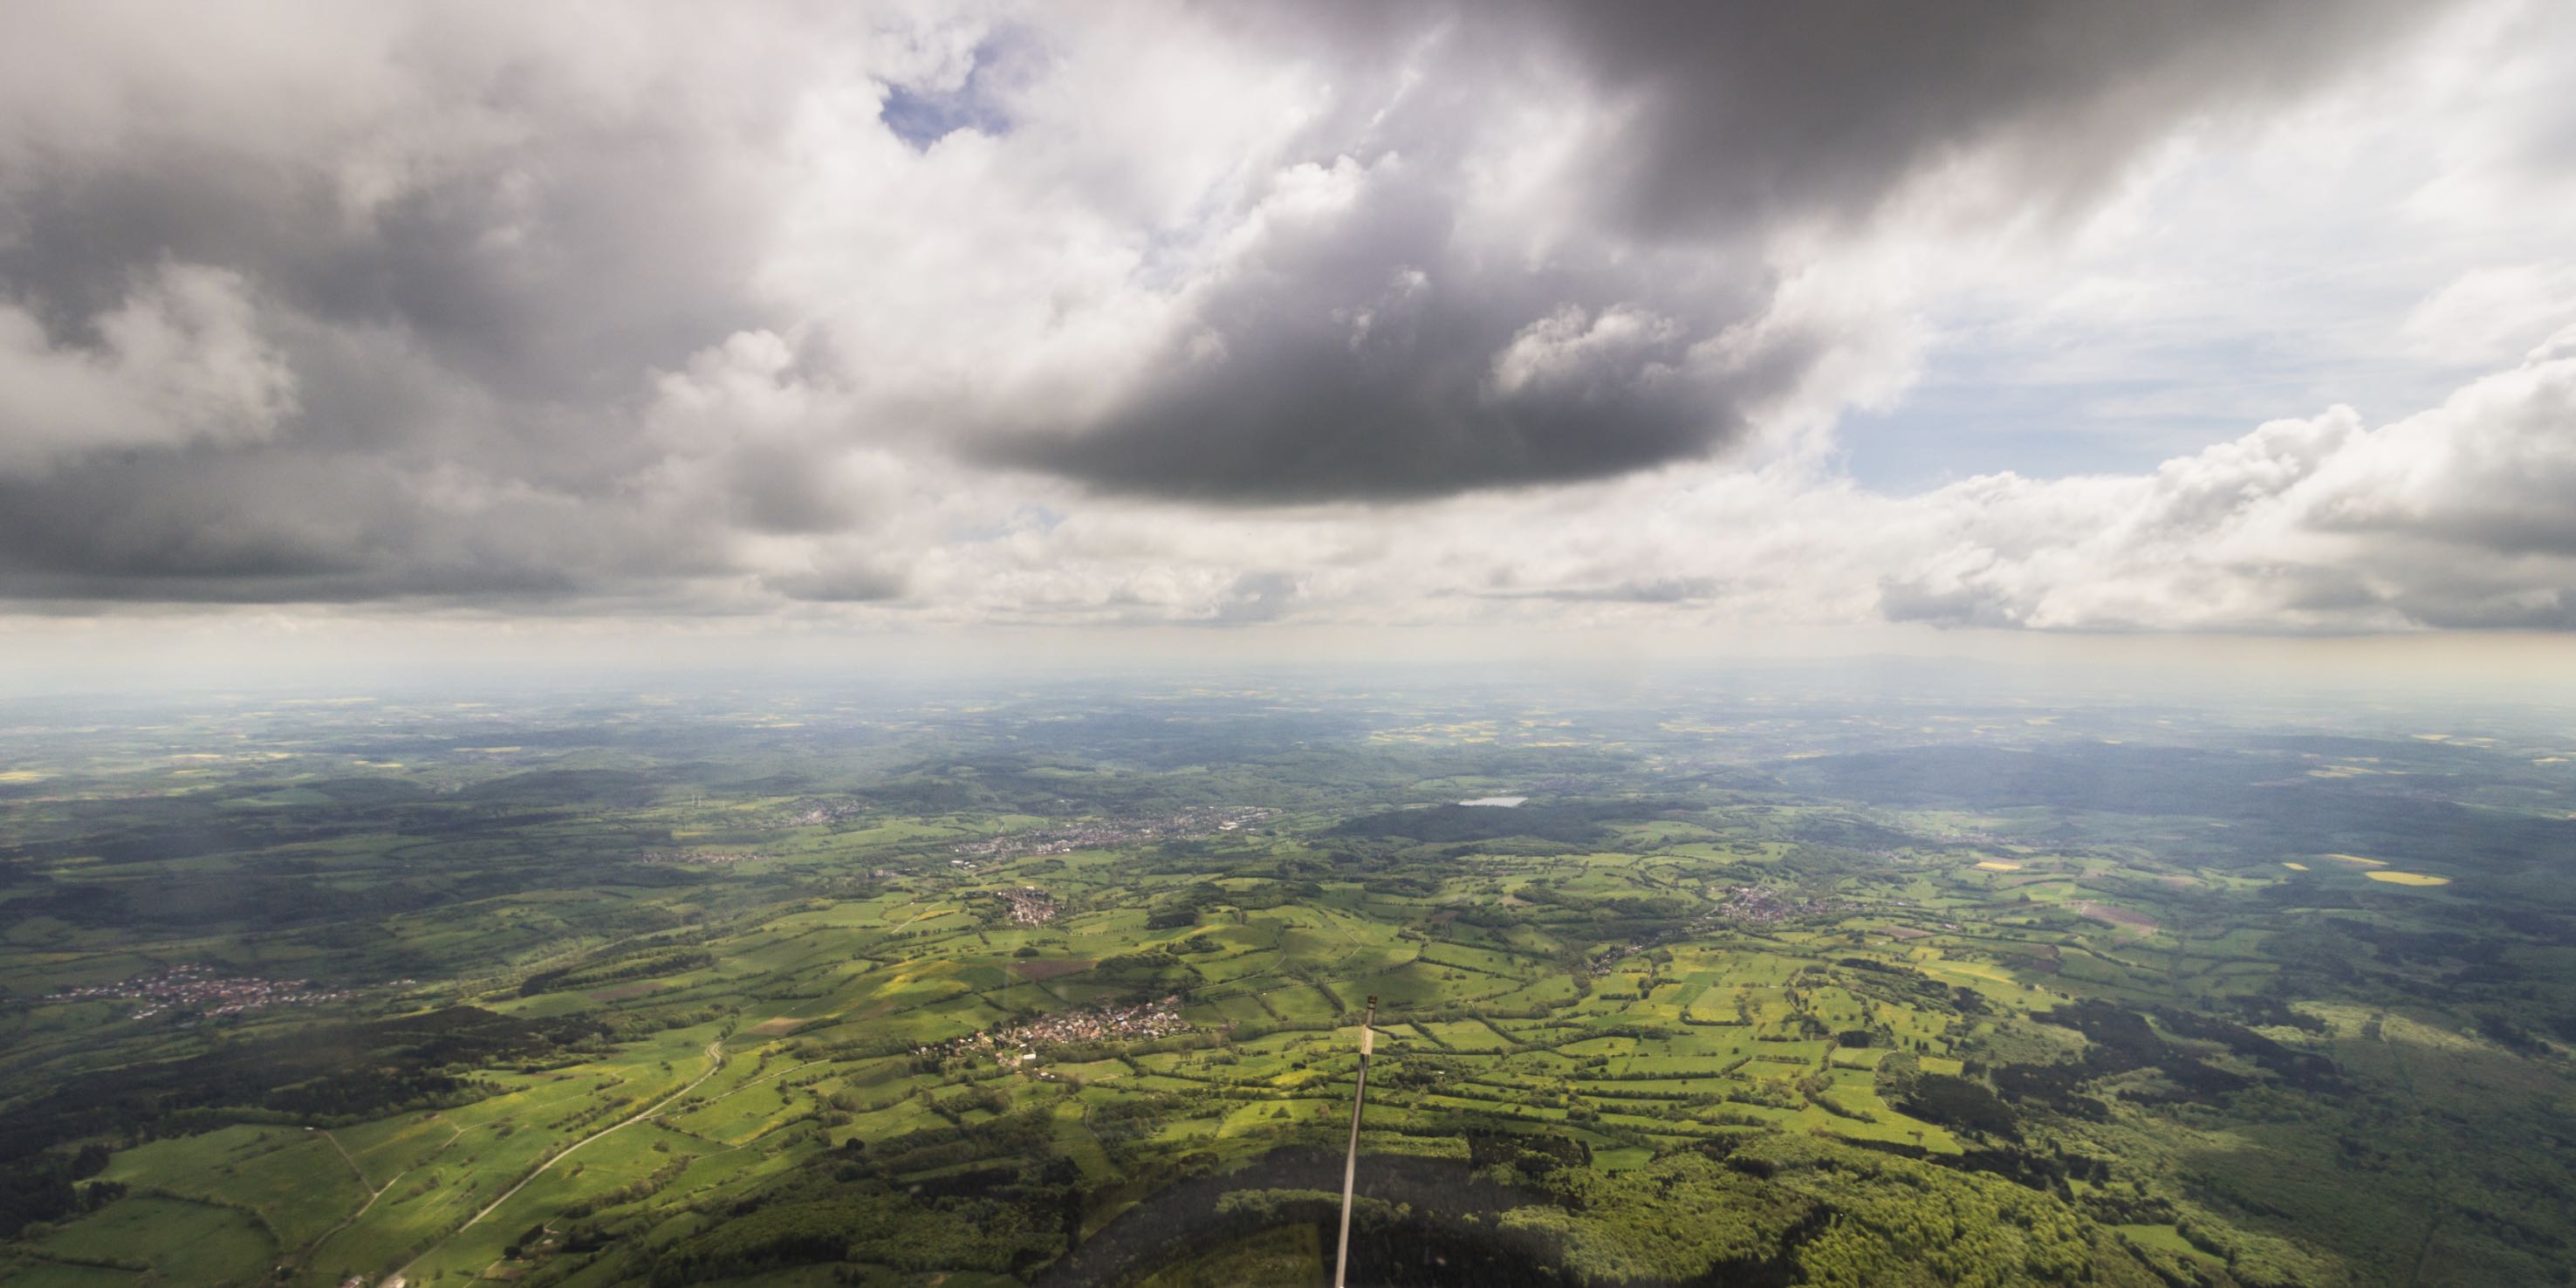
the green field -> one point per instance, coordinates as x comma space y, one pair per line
664, 999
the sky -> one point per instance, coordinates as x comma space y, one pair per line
1856, 326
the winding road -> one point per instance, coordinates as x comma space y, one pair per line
715, 1061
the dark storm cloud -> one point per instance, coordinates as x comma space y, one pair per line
856, 584
554, 269
470, 300
276, 526
1358, 358
1740, 110
777, 490
1717, 121
1902, 600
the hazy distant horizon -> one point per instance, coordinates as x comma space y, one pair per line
2427, 673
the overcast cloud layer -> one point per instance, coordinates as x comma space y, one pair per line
1354, 313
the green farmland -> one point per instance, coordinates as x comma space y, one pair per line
1027, 994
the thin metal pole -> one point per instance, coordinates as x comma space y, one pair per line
1351, 1161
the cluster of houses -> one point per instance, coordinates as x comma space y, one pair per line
1107, 833
1018, 1044
1744, 905
821, 813
1753, 905
701, 856
195, 986
1030, 905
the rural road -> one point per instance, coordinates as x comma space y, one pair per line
354, 1170
715, 1061
374, 1192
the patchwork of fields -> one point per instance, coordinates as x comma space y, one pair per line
2197, 1041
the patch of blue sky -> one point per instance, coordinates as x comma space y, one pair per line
2055, 409
922, 116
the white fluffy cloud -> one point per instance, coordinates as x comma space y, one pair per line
2489, 312
2454, 517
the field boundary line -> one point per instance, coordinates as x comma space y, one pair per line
715, 1061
